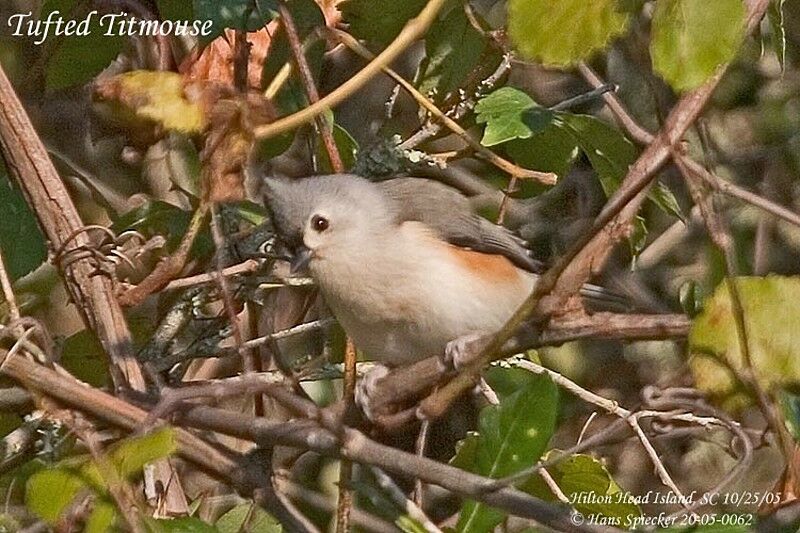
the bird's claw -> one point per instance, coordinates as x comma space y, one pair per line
460, 352
367, 388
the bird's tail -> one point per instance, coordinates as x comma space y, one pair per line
602, 299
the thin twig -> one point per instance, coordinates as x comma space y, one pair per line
250, 359
548, 178
344, 502
246, 267
420, 447
323, 125
630, 417
168, 267
409, 507
320, 501
410, 33
8, 292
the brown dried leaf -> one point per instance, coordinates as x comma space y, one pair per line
229, 144
215, 62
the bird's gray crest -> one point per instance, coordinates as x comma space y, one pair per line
291, 202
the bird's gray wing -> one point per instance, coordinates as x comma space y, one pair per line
450, 214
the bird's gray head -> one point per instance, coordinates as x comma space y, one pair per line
326, 217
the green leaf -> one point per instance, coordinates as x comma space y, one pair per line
236, 14
551, 150
692, 38
49, 492
665, 199
347, 146
21, 241
131, 455
251, 212
379, 21
609, 152
453, 50
512, 436
778, 37
373, 499
690, 297
581, 474
547, 141
506, 382
83, 356
564, 32
273, 146
466, 452
161, 218
250, 515
790, 409
771, 307
637, 238
128, 458
186, 524
510, 114
102, 517
79, 58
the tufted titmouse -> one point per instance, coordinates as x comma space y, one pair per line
406, 265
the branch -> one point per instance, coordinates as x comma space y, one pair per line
643, 136
323, 125
230, 468
697, 179
28, 162
412, 381
564, 279
410, 33
305, 434
515, 171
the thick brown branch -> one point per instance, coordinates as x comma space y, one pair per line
28, 162
411, 382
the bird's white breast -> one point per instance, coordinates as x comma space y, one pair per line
404, 298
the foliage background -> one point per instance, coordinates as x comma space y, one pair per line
148, 134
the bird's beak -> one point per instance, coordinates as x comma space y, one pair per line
300, 259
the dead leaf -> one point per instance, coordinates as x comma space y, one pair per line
229, 144
215, 62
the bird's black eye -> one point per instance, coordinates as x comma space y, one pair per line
319, 223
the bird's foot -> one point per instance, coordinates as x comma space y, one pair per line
462, 351
367, 389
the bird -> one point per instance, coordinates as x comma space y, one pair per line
406, 265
